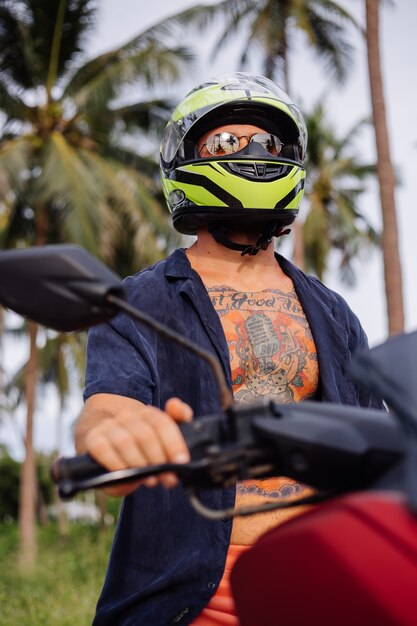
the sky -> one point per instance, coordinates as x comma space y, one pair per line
119, 20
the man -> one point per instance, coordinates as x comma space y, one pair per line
231, 161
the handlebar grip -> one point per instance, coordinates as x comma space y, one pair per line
198, 434
77, 467
83, 467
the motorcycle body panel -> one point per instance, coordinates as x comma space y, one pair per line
350, 561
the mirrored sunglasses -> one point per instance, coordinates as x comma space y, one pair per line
220, 144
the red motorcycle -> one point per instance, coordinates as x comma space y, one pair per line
351, 560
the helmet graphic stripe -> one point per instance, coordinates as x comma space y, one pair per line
209, 185
284, 202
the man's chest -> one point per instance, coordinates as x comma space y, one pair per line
271, 348
272, 355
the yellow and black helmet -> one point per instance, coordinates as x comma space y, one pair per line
248, 185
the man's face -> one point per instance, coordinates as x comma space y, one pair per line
230, 138
235, 137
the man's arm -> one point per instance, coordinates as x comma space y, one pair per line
120, 432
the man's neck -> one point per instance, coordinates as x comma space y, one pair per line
217, 264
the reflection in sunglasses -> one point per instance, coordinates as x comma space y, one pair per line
228, 143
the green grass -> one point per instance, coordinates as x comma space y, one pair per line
64, 587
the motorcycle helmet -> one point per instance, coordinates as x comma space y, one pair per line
243, 186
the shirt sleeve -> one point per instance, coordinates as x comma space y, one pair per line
120, 360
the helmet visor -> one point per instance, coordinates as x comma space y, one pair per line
233, 93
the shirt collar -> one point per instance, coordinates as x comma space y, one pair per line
178, 265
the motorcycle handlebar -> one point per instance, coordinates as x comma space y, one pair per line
306, 441
199, 435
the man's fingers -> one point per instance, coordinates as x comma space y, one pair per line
103, 452
117, 449
126, 447
140, 438
167, 433
156, 435
179, 410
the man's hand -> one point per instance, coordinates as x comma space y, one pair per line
120, 432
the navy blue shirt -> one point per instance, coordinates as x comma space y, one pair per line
167, 561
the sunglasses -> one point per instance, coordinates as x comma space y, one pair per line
223, 143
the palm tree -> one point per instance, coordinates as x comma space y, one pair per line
334, 185
66, 172
269, 25
386, 177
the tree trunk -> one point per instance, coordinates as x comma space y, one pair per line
28, 491
2, 376
386, 178
28, 488
59, 505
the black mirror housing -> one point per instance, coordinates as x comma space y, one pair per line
59, 286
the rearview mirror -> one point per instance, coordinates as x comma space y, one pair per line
59, 286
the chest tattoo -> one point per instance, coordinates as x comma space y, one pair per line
272, 356
272, 351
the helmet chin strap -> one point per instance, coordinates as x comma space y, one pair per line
218, 230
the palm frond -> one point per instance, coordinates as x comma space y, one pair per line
352, 134
147, 115
52, 364
99, 87
202, 15
66, 181
27, 31
152, 56
335, 221
316, 239
16, 61
15, 164
129, 158
235, 18
11, 105
335, 10
131, 204
19, 227
330, 44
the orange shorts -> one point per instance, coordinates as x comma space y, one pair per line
220, 611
